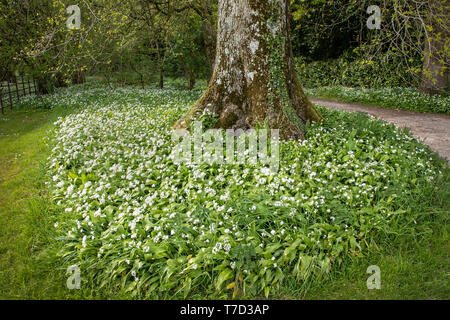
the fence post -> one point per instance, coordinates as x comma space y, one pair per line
10, 94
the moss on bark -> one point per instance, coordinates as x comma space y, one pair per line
254, 80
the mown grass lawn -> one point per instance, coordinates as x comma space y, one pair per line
24, 207
413, 266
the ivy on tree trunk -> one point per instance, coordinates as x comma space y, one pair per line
254, 82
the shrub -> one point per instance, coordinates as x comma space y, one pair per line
357, 72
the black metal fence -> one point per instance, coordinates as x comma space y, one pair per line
12, 90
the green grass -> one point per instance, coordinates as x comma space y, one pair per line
28, 269
413, 266
22, 203
390, 98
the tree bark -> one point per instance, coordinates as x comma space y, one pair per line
254, 81
160, 66
210, 40
161, 78
435, 77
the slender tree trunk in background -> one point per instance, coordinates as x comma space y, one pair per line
190, 76
160, 67
7, 75
140, 74
254, 80
191, 82
161, 77
210, 45
435, 78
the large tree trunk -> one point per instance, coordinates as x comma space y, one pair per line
254, 81
435, 78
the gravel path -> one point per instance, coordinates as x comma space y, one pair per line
431, 129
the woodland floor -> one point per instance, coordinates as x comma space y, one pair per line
431, 129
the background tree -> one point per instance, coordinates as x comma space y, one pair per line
436, 25
35, 39
206, 11
413, 39
325, 29
187, 47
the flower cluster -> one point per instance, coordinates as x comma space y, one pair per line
133, 218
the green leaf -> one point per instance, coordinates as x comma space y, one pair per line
223, 276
